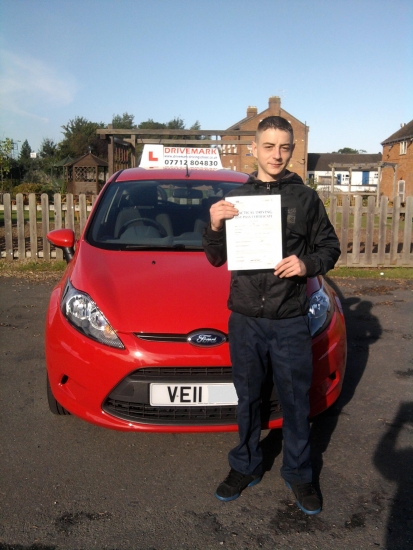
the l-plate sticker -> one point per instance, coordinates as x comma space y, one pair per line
159, 156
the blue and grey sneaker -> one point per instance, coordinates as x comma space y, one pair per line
234, 484
308, 499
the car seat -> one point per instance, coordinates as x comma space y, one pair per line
143, 200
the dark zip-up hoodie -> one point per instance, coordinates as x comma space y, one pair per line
307, 233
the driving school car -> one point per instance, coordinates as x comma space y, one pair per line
137, 328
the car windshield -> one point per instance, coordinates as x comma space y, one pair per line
167, 214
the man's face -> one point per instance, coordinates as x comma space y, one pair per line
273, 151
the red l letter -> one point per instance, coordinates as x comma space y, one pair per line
151, 157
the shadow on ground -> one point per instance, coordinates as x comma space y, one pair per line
396, 464
363, 329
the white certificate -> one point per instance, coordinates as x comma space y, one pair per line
254, 239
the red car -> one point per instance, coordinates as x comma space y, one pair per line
136, 330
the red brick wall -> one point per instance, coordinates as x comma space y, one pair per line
404, 170
243, 159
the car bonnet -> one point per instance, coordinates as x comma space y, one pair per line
154, 291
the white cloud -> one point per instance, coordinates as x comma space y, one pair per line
29, 86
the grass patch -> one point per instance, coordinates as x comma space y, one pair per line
38, 270
26, 217
31, 265
372, 273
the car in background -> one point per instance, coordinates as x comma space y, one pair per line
136, 330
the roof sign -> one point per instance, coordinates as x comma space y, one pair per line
162, 156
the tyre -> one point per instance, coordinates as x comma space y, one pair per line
54, 406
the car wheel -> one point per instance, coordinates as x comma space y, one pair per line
54, 406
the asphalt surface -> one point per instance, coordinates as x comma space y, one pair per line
68, 485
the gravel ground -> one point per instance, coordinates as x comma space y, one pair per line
68, 485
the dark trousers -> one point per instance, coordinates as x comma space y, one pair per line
284, 345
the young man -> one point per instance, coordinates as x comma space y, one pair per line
268, 326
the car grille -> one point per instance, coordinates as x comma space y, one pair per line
141, 412
185, 373
162, 337
130, 399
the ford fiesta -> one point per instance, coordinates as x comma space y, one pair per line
136, 330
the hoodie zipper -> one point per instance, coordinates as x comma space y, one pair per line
264, 279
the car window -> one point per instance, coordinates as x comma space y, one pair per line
155, 214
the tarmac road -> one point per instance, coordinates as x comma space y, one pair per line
69, 485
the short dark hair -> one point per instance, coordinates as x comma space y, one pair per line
276, 123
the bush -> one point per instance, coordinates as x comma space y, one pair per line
7, 185
58, 185
27, 188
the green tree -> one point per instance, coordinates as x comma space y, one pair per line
25, 152
350, 151
48, 155
6, 149
124, 121
80, 137
150, 124
176, 123
27, 165
48, 149
197, 126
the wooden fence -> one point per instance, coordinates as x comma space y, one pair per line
28, 239
370, 235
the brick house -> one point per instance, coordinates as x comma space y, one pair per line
397, 165
239, 157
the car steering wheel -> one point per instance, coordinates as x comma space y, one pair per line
149, 221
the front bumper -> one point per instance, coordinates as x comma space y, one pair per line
94, 382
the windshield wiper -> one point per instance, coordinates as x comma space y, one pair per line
139, 247
177, 246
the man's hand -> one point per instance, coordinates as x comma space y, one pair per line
220, 211
288, 267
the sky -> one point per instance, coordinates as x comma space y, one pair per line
345, 67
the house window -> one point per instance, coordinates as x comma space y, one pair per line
401, 188
403, 147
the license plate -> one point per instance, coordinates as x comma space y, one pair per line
184, 395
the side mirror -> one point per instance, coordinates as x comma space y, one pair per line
64, 239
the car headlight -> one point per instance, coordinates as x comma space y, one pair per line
84, 315
320, 311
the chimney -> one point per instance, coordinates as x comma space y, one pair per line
274, 105
252, 111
